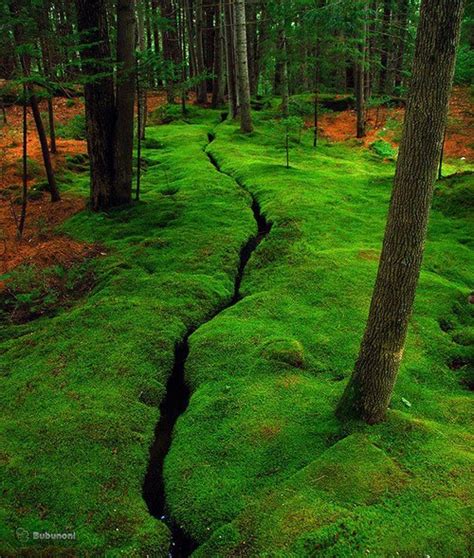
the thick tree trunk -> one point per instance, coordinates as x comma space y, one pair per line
125, 102
242, 64
99, 100
368, 393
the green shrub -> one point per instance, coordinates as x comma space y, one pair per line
74, 129
384, 149
70, 103
31, 292
34, 168
78, 163
172, 113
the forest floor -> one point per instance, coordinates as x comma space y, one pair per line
40, 242
258, 463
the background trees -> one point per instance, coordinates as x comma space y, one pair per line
220, 52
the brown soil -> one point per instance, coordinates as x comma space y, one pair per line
40, 243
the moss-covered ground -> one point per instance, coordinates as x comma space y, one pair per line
259, 466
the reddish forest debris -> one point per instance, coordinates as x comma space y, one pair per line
459, 138
40, 244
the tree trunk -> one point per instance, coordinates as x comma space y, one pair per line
402, 19
141, 81
201, 69
52, 132
285, 88
170, 47
242, 64
125, 102
24, 192
218, 91
99, 100
368, 393
25, 61
53, 189
252, 44
386, 45
230, 58
360, 81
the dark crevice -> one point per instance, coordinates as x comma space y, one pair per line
177, 396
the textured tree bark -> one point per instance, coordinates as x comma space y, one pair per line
246, 124
125, 102
99, 100
369, 390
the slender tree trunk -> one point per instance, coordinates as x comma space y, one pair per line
369, 391
25, 61
441, 156
53, 189
360, 81
386, 45
99, 100
45, 42
252, 44
140, 78
285, 87
125, 102
316, 91
230, 58
52, 132
218, 91
242, 64
402, 32
24, 193
202, 85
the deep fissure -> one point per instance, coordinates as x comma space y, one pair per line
177, 395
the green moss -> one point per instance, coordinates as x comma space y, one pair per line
81, 390
259, 465
256, 467
384, 149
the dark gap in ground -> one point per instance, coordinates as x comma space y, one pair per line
177, 396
